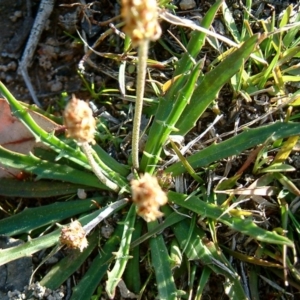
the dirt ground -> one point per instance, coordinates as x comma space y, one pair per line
53, 68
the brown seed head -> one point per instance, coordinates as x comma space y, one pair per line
141, 22
148, 197
79, 121
73, 236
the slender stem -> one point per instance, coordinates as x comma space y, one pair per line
86, 148
142, 64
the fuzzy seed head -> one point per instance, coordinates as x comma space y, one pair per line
141, 22
148, 197
79, 121
73, 236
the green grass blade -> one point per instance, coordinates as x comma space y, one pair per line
254, 280
196, 247
235, 145
33, 218
267, 73
211, 83
38, 189
161, 264
171, 219
161, 129
41, 135
132, 276
197, 41
290, 37
230, 22
49, 170
232, 284
202, 282
122, 256
112, 163
187, 62
246, 19
27, 249
245, 226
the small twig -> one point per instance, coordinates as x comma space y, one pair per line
43, 14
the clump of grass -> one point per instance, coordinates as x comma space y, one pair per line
244, 230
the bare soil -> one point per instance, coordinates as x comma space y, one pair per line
55, 62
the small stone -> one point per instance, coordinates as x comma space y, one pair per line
9, 79
18, 14
12, 66
56, 86
107, 230
187, 4
81, 194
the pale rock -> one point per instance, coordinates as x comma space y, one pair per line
187, 4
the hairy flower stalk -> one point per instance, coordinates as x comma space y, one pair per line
142, 26
81, 126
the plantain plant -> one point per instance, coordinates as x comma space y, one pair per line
180, 263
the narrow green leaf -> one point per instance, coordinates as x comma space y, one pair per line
245, 226
230, 22
171, 219
254, 281
287, 183
247, 11
132, 276
267, 73
197, 40
202, 282
211, 83
161, 264
290, 39
163, 127
41, 135
232, 284
52, 141
38, 189
26, 249
49, 170
278, 167
198, 247
118, 168
33, 218
122, 256
235, 145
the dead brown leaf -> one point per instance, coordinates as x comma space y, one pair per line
16, 137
